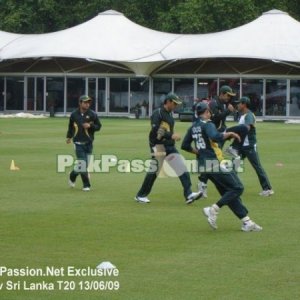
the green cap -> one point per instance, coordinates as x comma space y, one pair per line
173, 97
201, 107
85, 98
244, 100
226, 89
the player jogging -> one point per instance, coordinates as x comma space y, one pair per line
83, 123
220, 108
162, 144
204, 135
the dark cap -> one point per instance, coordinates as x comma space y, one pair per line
173, 97
85, 98
244, 100
201, 108
225, 89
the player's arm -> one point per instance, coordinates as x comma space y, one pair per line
212, 132
250, 120
158, 129
217, 115
155, 122
216, 136
70, 132
187, 142
96, 124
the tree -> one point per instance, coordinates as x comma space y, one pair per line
177, 16
202, 16
34, 16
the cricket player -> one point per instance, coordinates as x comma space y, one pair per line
249, 149
162, 140
205, 136
220, 108
83, 123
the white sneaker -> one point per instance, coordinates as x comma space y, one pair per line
231, 151
266, 193
71, 183
211, 215
193, 196
239, 170
202, 187
86, 189
251, 226
142, 199
271, 192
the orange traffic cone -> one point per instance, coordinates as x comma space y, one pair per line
13, 167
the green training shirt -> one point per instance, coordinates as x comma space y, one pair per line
249, 119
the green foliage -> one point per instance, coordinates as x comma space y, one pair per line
194, 16
271, 4
189, 16
223, 15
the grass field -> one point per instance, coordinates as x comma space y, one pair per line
164, 250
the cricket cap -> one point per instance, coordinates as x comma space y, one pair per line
201, 108
244, 100
85, 98
225, 89
173, 97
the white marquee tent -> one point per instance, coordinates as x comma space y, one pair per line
111, 37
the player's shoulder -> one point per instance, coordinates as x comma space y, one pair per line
207, 122
250, 115
204, 124
213, 102
75, 112
156, 113
92, 113
214, 106
161, 113
196, 123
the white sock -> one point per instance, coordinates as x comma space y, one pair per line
246, 219
215, 207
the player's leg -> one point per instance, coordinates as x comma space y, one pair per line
202, 184
253, 157
240, 210
79, 164
146, 187
230, 187
176, 162
154, 169
86, 151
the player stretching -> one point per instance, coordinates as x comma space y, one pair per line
249, 149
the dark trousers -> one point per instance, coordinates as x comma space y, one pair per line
230, 188
83, 151
252, 155
152, 175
